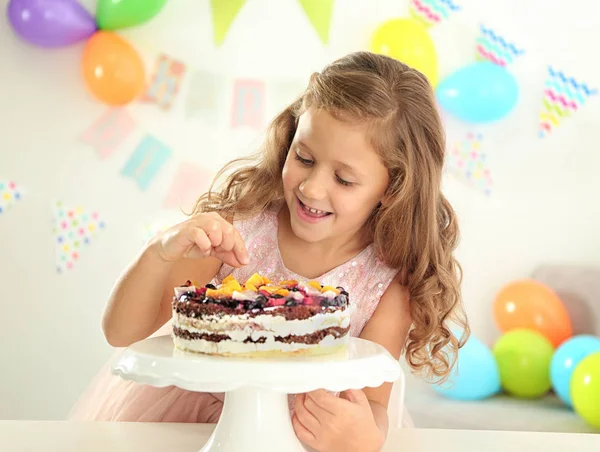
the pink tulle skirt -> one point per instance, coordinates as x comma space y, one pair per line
111, 398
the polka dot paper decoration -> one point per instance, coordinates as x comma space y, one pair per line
73, 230
467, 162
10, 193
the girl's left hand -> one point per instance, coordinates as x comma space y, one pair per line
329, 424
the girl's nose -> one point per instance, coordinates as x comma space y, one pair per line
311, 188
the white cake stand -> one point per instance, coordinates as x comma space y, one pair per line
255, 414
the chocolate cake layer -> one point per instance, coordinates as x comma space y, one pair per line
196, 309
312, 338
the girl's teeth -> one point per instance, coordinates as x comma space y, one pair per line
318, 212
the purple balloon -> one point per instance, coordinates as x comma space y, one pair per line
50, 23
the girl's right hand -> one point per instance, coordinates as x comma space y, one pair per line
203, 235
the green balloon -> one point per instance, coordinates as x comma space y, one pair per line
116, 14
585, 389
524, 358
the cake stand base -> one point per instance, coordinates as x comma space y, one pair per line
254, 419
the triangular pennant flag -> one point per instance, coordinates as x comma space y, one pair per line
562, 97
319, 13
467, 162
432, 12
224, 13
493, 47
73, 229
10, 193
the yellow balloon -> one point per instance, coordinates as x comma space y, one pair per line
408, 41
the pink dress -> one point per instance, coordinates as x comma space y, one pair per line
110, 398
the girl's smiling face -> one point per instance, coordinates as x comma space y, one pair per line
333, 177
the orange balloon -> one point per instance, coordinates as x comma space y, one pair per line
112, 69
530, 304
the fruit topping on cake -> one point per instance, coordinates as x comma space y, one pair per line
258, 292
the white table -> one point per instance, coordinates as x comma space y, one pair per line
30, 436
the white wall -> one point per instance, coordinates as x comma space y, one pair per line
544, 207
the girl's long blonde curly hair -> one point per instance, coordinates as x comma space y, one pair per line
416, 230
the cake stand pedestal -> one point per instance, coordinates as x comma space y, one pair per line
255, 414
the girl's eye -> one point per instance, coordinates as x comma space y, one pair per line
343, 182
304, 161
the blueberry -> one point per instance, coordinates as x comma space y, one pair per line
291, 302
209, 300
211, 286
276, 295
294, 289
325, 302
231, 304
341, 299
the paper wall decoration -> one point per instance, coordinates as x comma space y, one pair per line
166, 80
224, 13
109, 131
467, 162
492, 47
319, 13
432, 12
190, 181
248, 103
74, 228
202, 98
146, 161
563, 96
10, 194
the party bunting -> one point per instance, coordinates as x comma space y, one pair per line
10, 194
319, 13
224, 13
248, 103
189, 183
467, 162
432, 12
165, 82
146, 161
74, 228
563, 96
109, 131
493, 47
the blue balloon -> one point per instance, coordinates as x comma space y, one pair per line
565, 360
478, 93
475, 376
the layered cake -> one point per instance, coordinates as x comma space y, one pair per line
260, 318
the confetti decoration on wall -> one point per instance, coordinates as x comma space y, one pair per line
432, 12
563, 96
493, 47
248, 103
467, 162
10, 194
189, 183
203, 96
166, 81
109, 131
224, 13
74, 228
146, 161
319, 13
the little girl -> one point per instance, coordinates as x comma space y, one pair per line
345, 190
